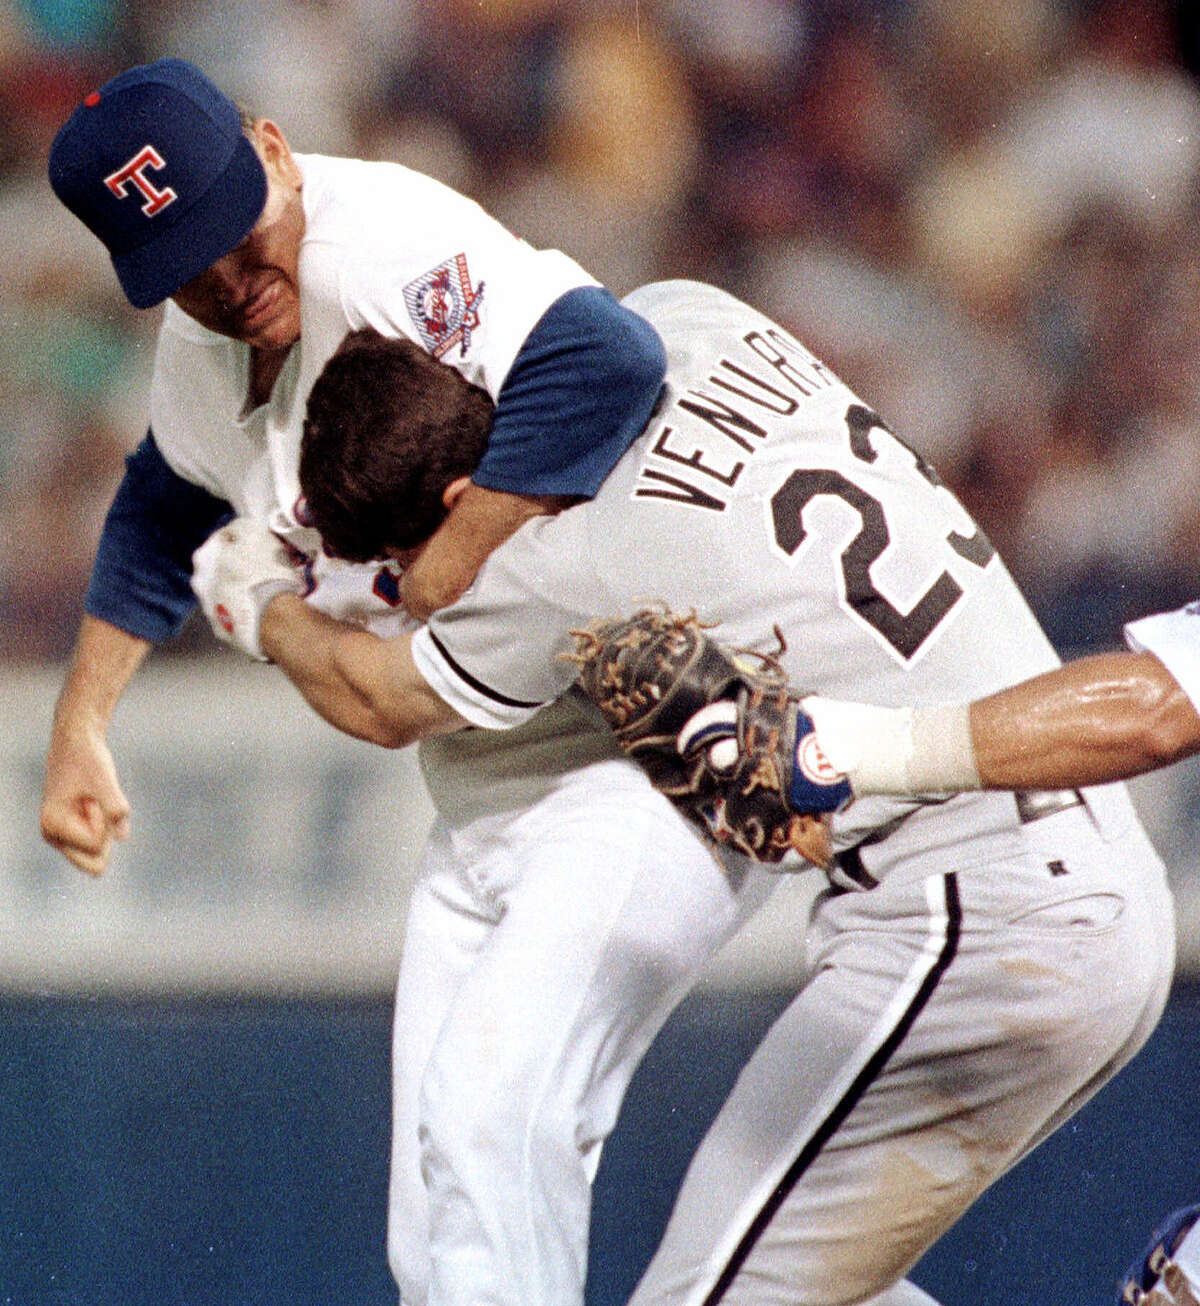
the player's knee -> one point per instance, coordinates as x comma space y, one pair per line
459, 1110
499, 1116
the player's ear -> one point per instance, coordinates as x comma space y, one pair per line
276, 153
453, 492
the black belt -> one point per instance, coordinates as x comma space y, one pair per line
1036, 804
1032, 805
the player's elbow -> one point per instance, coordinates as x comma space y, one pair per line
1171, 734
386, 721
427, 589
386, 734
1167, 724
397, 728
358, 719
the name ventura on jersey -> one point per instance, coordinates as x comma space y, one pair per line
696, 477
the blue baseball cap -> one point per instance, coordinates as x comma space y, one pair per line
157, 165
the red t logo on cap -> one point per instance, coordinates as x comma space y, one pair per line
135, 171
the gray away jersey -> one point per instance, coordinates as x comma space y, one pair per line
763, 494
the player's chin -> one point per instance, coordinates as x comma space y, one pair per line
280, 330
272, 340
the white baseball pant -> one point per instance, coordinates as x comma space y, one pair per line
542, 955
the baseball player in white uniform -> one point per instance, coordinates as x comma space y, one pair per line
978, 966
523, 1075
201, 206
562, 905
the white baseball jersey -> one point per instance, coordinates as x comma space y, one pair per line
764, 494
1168, 1273
1183, 1284
1174, 638
1187, 1258
454, 280
459, 284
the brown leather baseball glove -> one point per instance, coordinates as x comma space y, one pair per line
714, 730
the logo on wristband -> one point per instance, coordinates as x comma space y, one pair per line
813, 763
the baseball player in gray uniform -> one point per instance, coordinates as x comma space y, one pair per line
978, 965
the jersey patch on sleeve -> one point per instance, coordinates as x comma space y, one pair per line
444, 306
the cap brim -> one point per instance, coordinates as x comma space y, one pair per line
213, 226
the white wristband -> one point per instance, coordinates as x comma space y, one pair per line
889, 750
943, 754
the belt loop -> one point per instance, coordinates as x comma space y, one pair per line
848, 871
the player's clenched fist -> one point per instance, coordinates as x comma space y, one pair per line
236, 572
83, 808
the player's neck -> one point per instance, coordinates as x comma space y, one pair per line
265, 366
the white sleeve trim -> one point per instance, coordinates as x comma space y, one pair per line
470, 699
1173, 638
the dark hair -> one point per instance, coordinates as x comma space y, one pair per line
388, 428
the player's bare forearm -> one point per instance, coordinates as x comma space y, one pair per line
480, 521
1097, 719
104, 662
83, 808
366, 686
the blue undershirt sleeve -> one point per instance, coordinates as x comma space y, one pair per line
578, 394
141, 579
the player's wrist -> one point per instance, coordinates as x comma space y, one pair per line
897, 751
262, 598
235, 574
815, 784
73, 722
272, 627
266, 592
869, 745
943, 751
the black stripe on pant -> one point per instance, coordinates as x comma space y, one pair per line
849, 1099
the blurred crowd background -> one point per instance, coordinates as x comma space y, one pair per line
981, 213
